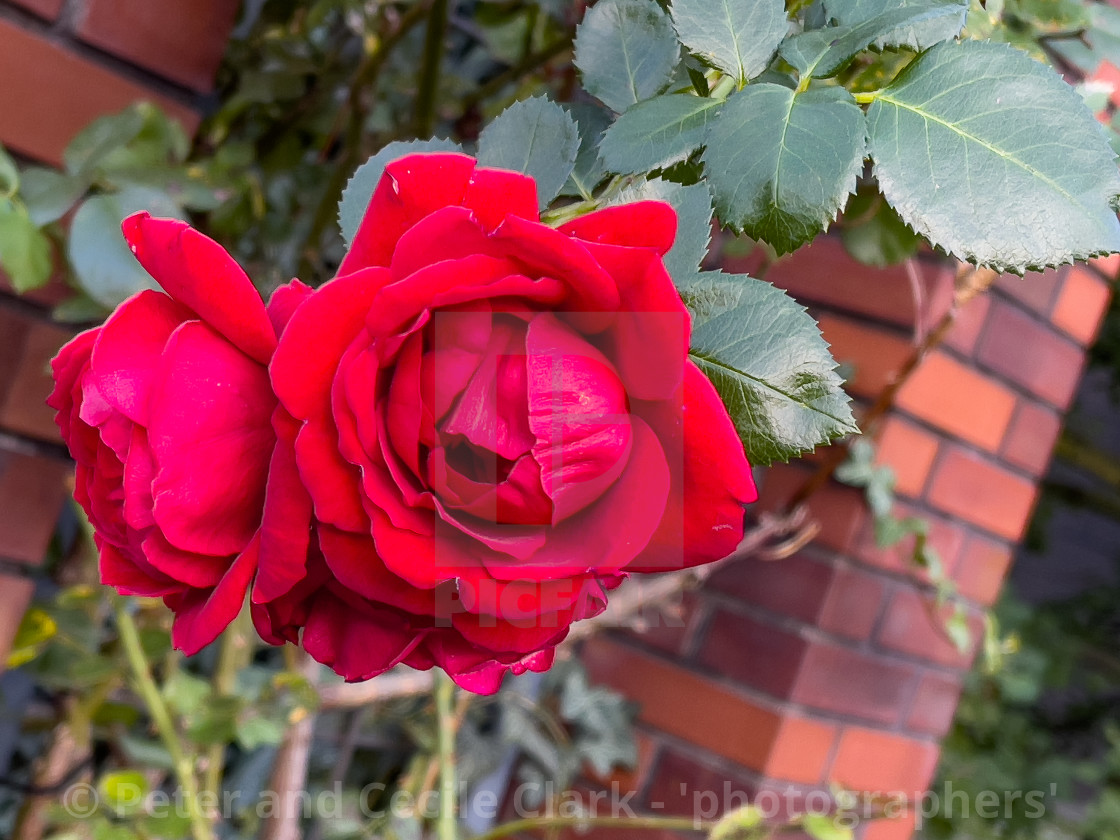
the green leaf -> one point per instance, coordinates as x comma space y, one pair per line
537, 137
102, 261
944, 20
9, 175
591, 120
874, 234
359, 189
626, 51
260, 731
657, 133
101, 138
825, 827
993, 158
694, 221
48, 195
186, 694
781, 163
821, 53
738, 37
766, 357
25, 251
124, 791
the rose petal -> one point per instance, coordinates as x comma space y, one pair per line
495, 194
355, 564
284, 302
211, 436
639, 224
133, 577
357, 644
199, 571
202, 614
139, 470
197, 272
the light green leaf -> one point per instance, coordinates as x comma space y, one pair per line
738, 37
770, 365
124, 791
825, 827
257, 731
781, 163
537, 137
359, 189
101, 138
993, 158
102, 261
657, 133
693, 204
48, 195
626, 51
591, 120
25, 251
186, 694
874, 234
944, 20
9, 175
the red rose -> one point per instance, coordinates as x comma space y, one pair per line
166, 409
494, 421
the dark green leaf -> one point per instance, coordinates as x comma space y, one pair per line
738, 37
781, 164
537, 137
49, 194
766, 357
694, 221
101, 138
102, 261
25, 251
657, 133
359, 190
79, 309
592, 120
626, 51
943, 20
9, 175
146, 752
992, 157
874, 234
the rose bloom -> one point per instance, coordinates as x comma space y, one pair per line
167, 411
485, 423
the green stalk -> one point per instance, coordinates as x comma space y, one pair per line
653, 823
429, 72
201, 828
233, 655
447, 826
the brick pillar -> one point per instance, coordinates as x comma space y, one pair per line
827, 667
63, 63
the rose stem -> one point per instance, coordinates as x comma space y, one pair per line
233, 655
201, 828
445, 714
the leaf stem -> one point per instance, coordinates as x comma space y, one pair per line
201, 828
652, 823
723, 88
867, 97
445, 714
429, 73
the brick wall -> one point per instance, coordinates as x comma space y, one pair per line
828, 667
62, 64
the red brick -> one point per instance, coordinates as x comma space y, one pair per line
1035, 289
868, 760
47, 9
958, 399
1082, 303
32, 490
982, 569
15, 596
837, 679
824, 273
13, 334
753, 652
909, 451
24, 409
69, 93
852, 604
935, 704
1028, 353
891, 828
802, 750
795, 586
969, 325
975, 489
874, 354
1107, 73
840, 511
182, 40
1031, 438
680, 784
667, 627
914, 625
670, 699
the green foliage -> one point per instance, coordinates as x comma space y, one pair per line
746, 336
738, 37
873, 233
625, 51
657, 133
25, 252
936, 21
693, 204
1011, 140
536, 137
